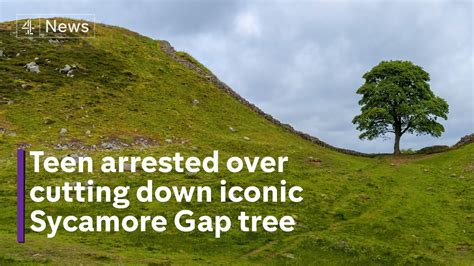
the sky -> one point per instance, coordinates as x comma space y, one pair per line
302, 61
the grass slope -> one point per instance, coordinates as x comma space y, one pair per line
416, 209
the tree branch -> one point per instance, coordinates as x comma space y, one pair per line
406, 128
409, 124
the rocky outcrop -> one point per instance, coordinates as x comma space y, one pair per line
464, 141
68, 70
32, 67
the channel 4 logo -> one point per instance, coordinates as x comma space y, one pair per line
57, 26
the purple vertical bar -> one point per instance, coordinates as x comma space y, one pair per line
20, 196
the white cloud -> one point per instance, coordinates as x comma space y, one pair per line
247, 24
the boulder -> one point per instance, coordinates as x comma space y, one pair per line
65, 69
32, 67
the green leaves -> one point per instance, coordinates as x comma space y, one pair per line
396, 98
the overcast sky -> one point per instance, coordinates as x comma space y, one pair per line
302, 61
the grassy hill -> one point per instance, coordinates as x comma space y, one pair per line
130, 96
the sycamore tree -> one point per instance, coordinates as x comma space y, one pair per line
397, 99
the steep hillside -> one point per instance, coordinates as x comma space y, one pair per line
131, 95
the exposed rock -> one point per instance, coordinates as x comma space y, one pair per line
113, 143
61, 147
246, 138
109, 146
65, 69
169, 141
88, 132
127, 167
32, 67
232, 129
53, 41
464, 140
195, 101
143, 141
74, 145
4, 100
36, 58
63, 132
68, 70
18, 54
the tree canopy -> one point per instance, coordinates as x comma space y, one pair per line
396, 98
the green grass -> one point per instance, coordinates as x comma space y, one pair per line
413, 209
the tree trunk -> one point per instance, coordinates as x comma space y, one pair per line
396, 146
398, 135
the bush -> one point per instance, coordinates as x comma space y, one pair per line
433, 149
408, 151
